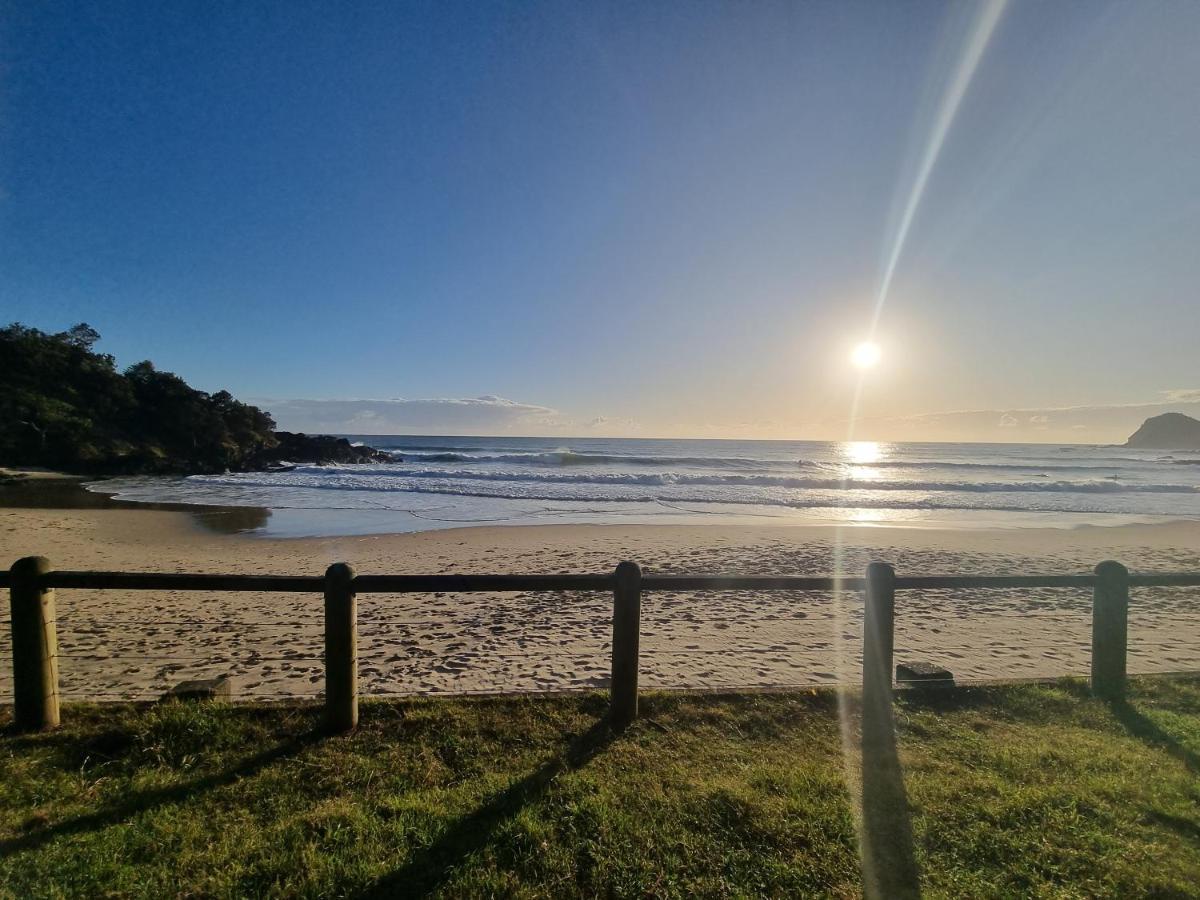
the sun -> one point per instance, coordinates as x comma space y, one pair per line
866, 355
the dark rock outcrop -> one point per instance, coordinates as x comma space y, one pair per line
321, 449
1170, 431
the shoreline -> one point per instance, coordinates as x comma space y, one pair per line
52, 490
25, 474
57, 490
61, 491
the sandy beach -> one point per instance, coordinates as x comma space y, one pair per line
137, 644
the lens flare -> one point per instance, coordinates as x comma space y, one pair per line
864, 356
987, 18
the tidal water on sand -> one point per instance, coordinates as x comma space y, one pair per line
439, 482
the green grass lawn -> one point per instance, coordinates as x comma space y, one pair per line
1028, 790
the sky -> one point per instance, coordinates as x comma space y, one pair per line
659, 219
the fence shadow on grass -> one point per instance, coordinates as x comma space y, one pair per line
428, 868
889, 864
149, 800
1151, 733
1137, 724
1178, 824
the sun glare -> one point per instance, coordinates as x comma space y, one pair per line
862, 453
866, 355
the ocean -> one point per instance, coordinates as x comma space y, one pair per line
440, 482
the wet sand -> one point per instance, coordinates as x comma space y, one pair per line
137, 644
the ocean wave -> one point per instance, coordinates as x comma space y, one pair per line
566, 457
391, 479
511, 474
1008, 467
544, 493
423, 448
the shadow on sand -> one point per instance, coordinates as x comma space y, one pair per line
429, 867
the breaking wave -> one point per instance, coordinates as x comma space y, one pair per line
506, 477
397, 479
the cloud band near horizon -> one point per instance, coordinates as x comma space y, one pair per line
490, 414
399, 415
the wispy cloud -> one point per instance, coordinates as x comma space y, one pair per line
433, 415
1102, 423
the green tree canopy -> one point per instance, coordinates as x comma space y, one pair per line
65, 406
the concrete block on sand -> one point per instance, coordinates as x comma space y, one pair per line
923, 674
207, 689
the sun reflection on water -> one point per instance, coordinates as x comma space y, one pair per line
864, 516
863, 453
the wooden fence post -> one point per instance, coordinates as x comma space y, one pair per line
1110, 630
34, 646
879, 627
341, 649
888, 857
627, 614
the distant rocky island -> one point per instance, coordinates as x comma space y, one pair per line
64, 406
1170, 431
317, 448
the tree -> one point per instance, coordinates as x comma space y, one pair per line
82, 336
64, 405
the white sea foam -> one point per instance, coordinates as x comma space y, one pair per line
400, 478
481, 479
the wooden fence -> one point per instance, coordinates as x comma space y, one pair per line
32, 582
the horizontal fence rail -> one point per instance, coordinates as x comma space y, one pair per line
421, 584
32, 582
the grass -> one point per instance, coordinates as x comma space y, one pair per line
1033, 790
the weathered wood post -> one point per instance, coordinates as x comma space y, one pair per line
879, 628
888, 859
1110, 630
341, 649
34, 645
627, 614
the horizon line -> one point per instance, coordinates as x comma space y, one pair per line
583, 437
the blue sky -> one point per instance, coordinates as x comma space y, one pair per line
621, 218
